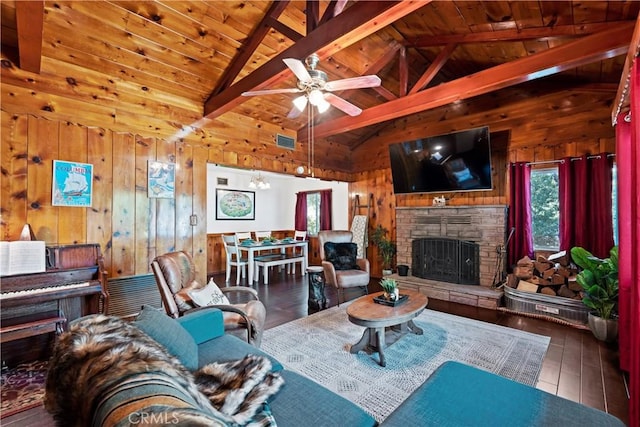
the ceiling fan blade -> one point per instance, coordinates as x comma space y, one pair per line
353, 83
298, 69
271, 91
342, 104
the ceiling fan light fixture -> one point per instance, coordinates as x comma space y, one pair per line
300, 102
323, 106
316, 97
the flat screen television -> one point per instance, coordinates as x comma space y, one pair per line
459, 161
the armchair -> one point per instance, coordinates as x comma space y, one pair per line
336, 275
175, 277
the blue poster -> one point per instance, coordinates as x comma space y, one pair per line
72, 184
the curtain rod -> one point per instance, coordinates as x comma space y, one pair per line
546, 162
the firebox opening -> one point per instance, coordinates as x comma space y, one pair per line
447, 260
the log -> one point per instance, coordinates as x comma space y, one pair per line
523, 272
548, 291
548, 273
564, 291
512, 281
573, 284
525, 286
561, 258
526, 261
558, 279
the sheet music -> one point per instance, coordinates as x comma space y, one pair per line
22, 257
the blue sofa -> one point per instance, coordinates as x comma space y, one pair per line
454, 395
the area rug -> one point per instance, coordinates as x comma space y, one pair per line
22, 387
318, 346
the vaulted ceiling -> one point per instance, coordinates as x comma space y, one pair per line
203, 54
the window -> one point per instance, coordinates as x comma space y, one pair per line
313, 213
545, 209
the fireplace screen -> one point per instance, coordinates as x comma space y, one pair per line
446, 260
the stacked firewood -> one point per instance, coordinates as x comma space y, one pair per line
554, 275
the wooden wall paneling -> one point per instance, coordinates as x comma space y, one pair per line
124, 194
99, 217
72, 221
166, 208
184, 197
145, 211
41, 151
14, 178
199, 209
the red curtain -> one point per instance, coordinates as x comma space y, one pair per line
521, 243
628, 161
585, 204
325, 210
301, 211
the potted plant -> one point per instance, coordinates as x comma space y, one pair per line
390, 288
386, 248
599, 280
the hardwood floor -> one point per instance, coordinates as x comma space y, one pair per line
577, 366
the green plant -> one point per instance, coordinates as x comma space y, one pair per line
599, 279
386, 248
388, 285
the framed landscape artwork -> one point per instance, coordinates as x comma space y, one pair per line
235, 204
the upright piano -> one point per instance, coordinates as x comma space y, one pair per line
35, 305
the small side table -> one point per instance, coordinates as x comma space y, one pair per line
317, 299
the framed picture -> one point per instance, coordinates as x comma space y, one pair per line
235, 204
72, 184
161, 180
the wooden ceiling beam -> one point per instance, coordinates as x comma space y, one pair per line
355, 23
522, 34
334, 8
29, 23
288, 32
621, 101
433, 69
403, 72
312, 13
589, 49
249, 46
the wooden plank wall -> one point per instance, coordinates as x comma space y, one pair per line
130, 227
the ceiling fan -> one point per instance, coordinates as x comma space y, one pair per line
316, 88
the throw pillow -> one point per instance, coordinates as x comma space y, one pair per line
209, 295
170, 334
342, 255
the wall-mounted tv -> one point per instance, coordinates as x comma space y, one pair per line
459, 161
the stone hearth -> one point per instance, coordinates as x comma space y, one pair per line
484, 225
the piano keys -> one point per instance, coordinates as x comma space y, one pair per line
74, 285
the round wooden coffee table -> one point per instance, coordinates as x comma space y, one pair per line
378, 318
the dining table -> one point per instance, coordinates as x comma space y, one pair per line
251, 248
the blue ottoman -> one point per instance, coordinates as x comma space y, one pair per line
461, 395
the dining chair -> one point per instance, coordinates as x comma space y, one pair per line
298, 236
234, 257
243, 236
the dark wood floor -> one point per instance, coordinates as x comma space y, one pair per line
576, 366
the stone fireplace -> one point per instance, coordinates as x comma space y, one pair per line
483, 227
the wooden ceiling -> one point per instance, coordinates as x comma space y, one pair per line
194, 58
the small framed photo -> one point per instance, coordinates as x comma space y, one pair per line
235, 204
72, 184
161, 180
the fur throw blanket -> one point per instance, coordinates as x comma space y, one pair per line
105, 371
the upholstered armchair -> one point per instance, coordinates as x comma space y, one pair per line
175, 276
342, 268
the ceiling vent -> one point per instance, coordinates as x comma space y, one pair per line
285, 141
